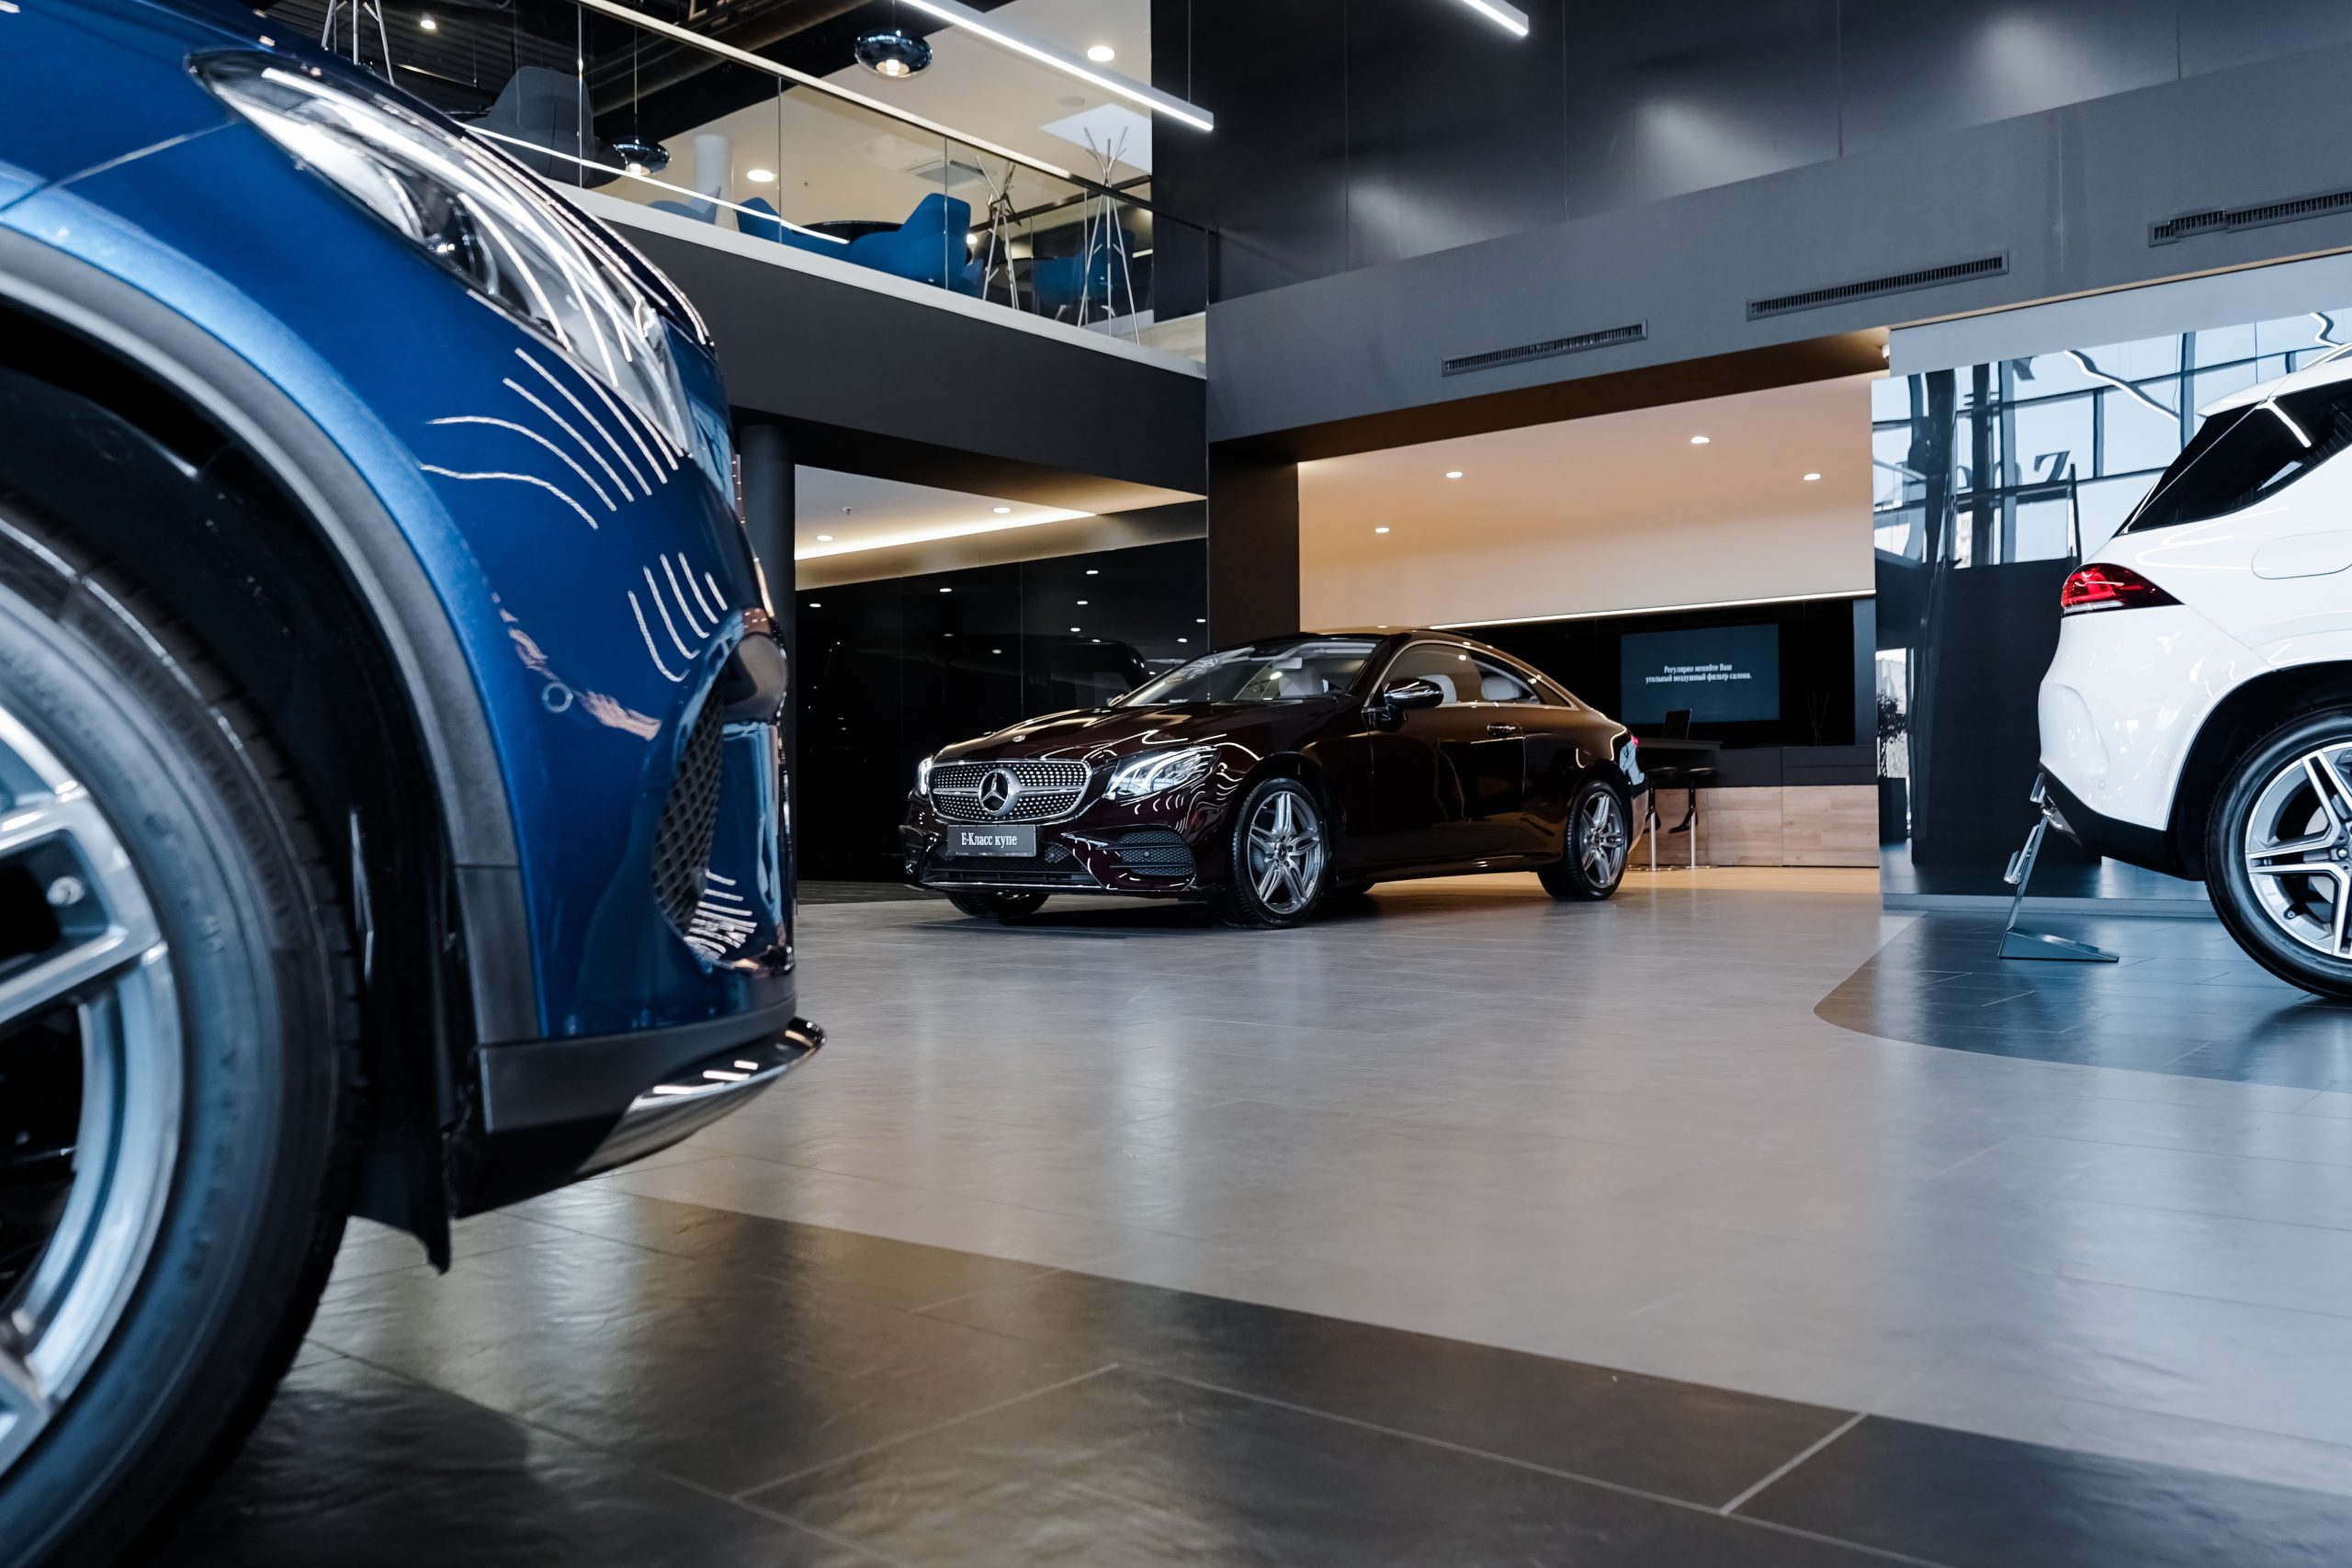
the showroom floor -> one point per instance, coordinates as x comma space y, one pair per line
1461, 1226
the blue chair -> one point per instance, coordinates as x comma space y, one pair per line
549, 110
700, 212
929, 247
1060, 282
765, 222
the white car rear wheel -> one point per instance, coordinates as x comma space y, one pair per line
2278, 853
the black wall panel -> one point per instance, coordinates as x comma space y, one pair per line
890, 670
1661, 100
1274, 171
1455, 133
1355, 132
1912, 70
2218, 34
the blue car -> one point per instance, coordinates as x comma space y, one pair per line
392, 815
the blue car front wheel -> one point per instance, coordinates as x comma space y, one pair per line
175, 1071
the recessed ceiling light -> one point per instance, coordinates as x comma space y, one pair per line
1004, 512
1200, 620
814, 606
1102, 54
947, 590
824, 539
759, 177
428, 24
1810, 477
1184, 639
1454, 473
1380, 530
1073, 629
1093, 571
1082, 600
1699, 441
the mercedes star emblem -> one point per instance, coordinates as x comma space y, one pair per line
999, 791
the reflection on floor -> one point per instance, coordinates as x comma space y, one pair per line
2181, 997
2063, 872
1539, 1139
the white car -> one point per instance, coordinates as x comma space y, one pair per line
2198, 717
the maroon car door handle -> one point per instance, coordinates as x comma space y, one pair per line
1502, 731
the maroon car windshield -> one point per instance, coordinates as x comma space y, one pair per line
1264, 672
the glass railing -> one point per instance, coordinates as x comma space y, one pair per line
718, 114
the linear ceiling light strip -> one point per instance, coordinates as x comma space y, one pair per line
1659, 609
1510, 19
1070, 65
940, 533
760, 63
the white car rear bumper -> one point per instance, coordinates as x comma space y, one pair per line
2123, 702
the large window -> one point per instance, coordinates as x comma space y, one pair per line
2044, 457
2242, 455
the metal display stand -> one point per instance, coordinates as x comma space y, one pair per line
2016, 944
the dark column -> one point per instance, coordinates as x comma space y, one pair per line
1253, 547
764, 451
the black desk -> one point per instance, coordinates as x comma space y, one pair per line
1684, 754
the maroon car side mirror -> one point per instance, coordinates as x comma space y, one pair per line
1402, 699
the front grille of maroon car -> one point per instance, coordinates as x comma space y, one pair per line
689, 818
1045, 791
1154, 851
1052, 867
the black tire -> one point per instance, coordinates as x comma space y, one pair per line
1595, 848
1006, 908
255, 1196
1238, 901
2243, 911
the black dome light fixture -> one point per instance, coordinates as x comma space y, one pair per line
893, 52
643, 154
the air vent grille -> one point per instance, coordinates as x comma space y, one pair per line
1608, 337
2229, 221
1871, 289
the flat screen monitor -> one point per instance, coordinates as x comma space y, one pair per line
1723, 675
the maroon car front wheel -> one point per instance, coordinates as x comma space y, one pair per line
1278, 860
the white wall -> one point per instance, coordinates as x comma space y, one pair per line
1615, 512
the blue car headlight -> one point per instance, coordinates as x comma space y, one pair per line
475, 212
1156, 772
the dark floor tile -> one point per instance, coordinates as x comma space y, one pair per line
1129, 1468
899, 1273
686, 1364
355, 1467
379, 1250
1978, 1501
1705, 1445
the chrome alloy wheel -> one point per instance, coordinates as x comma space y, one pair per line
90, 1085
1286, 852
2298, 850
1603, 841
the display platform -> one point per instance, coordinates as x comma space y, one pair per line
2181, 999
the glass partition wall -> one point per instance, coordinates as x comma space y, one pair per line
743, 117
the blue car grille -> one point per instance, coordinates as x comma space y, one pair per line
689, 818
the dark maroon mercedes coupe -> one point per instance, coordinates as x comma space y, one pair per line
1262, 778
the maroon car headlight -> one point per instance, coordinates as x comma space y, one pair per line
1156, 772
